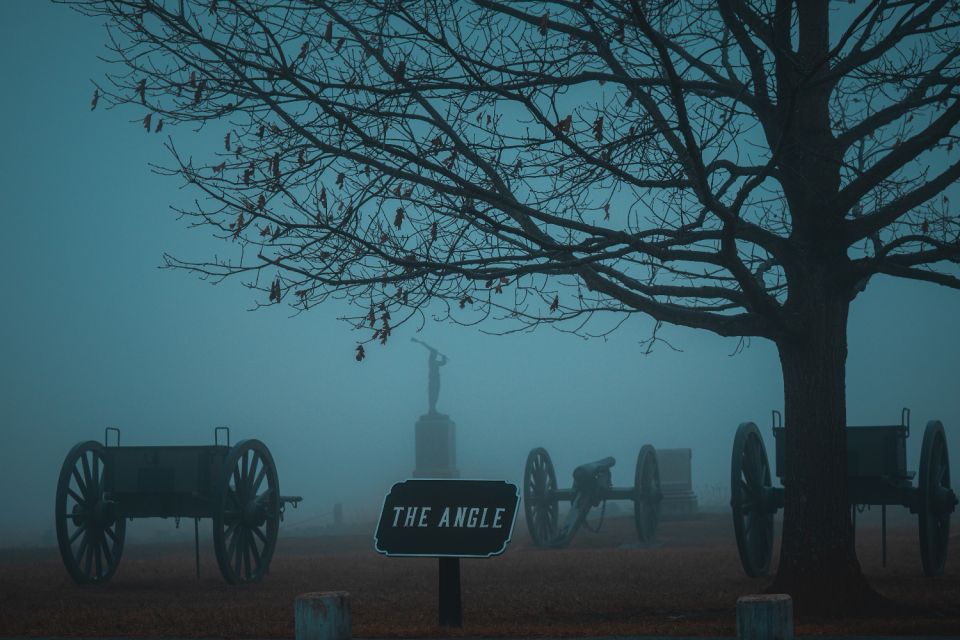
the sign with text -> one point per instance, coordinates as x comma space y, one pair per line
459, 518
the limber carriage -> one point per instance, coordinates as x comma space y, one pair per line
101, 486
592, 484
876, 475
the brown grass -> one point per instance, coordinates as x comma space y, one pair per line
688, 584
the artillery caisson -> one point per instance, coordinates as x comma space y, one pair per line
592, 484
101, 486
876, 475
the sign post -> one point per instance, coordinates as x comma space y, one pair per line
450, 602
447, 519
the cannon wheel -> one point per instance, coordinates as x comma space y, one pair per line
647, 494
749, 481
89, 534
539, 505
936, 500
247, 514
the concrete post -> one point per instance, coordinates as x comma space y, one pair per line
765, 617
323, 615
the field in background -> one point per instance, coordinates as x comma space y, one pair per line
604, 584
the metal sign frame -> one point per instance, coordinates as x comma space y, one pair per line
503, 547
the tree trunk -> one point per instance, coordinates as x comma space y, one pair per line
818, 561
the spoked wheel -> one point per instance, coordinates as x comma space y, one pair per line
647, 494
539, 503
936, 499
247, 517
89, 533
750, 491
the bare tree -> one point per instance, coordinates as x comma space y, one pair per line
739, 166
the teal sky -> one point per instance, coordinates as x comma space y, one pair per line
93, 334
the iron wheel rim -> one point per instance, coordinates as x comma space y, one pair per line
540, 508
247, 519
90, 536
648, 495
749, 484
936, 504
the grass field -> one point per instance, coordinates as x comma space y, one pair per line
604, 584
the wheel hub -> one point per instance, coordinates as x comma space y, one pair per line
944, 500
254, 513
100, 516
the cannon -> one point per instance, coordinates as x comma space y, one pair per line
101, 486
876, 475
592, 485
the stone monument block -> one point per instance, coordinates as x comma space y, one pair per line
436, 447
676, 483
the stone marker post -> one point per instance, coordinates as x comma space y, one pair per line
765, 617
322, 615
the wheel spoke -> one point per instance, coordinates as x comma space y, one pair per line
231, 536
762, 534
88, 563
235, 476
251, 470
760, 465
96, 555
256, 553
246, 553
76, 534
80, 499
746, 465
746, 479
232, 530
255, 485
754, 462
235, 543
106, 552
111, 534
86, 470
81, 485
81, 550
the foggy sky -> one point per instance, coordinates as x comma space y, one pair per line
93, 334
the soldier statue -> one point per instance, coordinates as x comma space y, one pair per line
434, 363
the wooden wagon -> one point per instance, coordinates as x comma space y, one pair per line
101, 486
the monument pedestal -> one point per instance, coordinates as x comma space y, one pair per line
436, 447
679, 499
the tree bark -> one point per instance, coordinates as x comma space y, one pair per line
818, 561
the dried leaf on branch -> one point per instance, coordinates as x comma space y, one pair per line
598, 129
